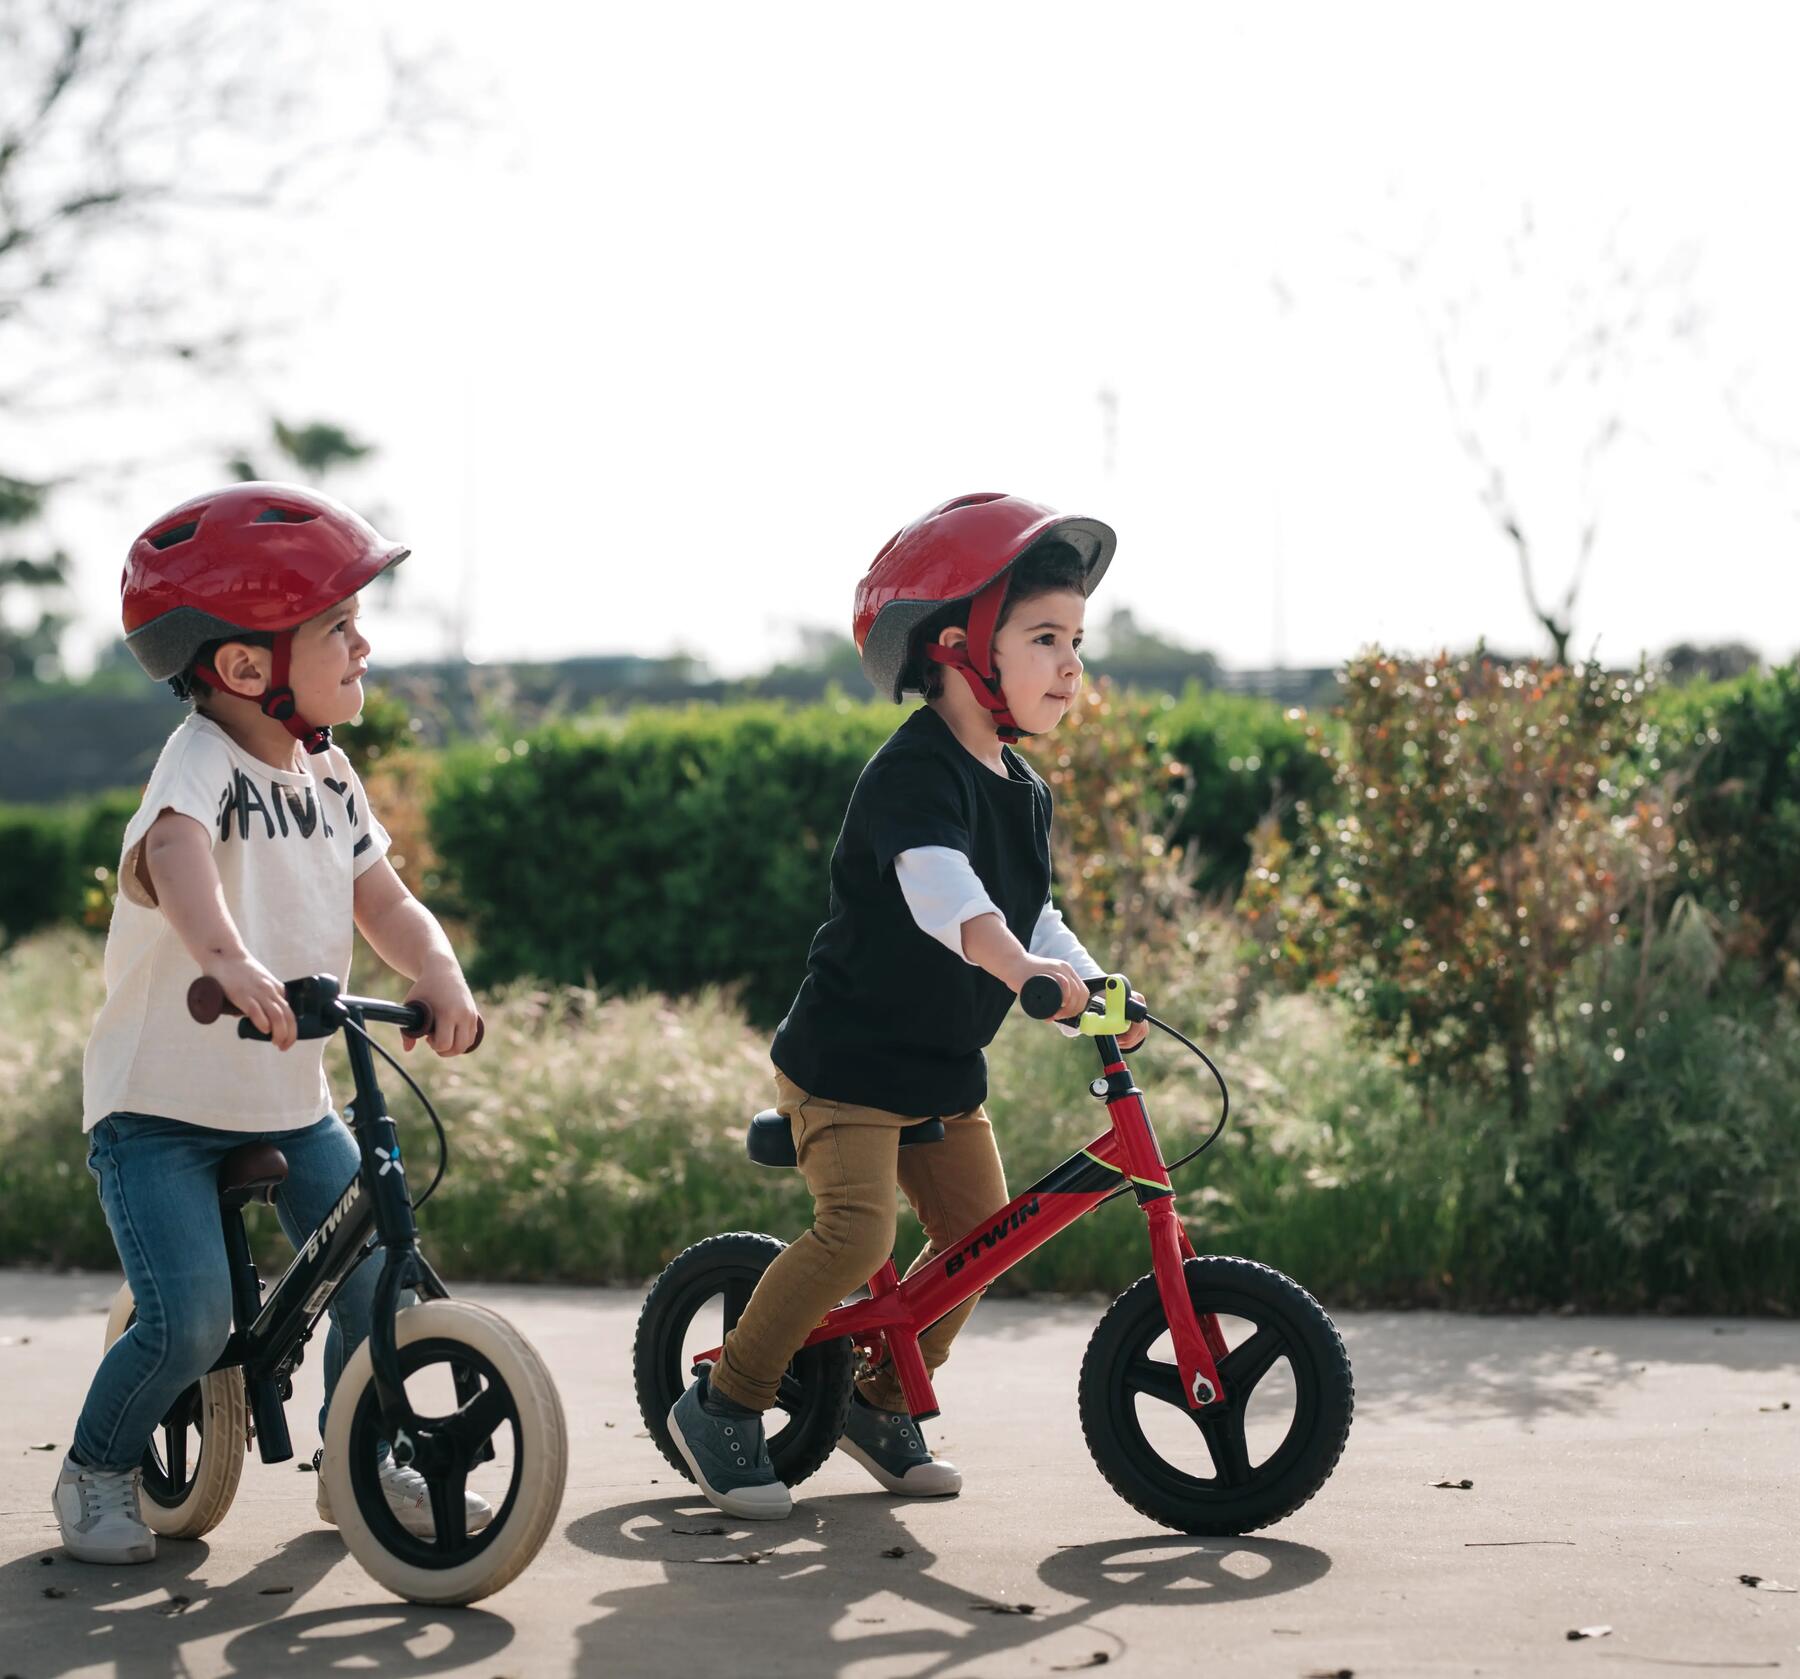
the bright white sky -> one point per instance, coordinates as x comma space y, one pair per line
722, 294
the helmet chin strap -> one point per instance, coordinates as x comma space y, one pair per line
975, 659
277, 701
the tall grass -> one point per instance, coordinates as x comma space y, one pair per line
592, 1138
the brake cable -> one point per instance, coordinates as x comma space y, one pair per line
1224, 1107
431, 1112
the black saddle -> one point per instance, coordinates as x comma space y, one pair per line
770, 1139
252, 1172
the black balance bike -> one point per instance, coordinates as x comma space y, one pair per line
452, 1389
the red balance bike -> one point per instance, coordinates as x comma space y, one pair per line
1215, 1394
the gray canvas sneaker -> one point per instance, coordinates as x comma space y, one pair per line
725, 1447
891, 1446
99, 1514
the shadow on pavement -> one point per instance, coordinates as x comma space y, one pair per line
1484, 1368
136, 1619
824, 1595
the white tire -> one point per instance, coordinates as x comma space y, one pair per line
224, 1435
525, 1512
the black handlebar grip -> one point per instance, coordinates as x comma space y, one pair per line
206, 1000
1041, 997
427, 1021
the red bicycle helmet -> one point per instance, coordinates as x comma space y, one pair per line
961, 550
258, 557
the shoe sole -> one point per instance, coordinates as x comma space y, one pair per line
111, 1559
330, 1520
730, 1503
893, 1483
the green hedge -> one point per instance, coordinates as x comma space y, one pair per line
1248, 757
1738, 744
674, 849
680, 848
57, 861
665, 851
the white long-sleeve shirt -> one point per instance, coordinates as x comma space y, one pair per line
943, 891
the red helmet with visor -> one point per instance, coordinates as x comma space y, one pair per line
962, 550
257, 557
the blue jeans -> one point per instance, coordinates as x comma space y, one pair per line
159, 1187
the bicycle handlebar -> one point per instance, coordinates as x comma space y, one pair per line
206, 1001
1041, 998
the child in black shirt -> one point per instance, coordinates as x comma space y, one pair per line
940, 911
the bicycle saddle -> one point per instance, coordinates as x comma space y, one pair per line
770, 1139
252, 1172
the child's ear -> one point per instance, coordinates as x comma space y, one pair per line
244, 669
952, 635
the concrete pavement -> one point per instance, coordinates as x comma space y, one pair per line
1626, 1473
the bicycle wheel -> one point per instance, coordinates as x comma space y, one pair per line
475, 1383
193, 1461
1254, 1457
699, 1296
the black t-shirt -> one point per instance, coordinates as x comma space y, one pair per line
887, 1017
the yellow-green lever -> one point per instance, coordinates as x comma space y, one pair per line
1111, 1022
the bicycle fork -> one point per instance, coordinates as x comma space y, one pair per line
1198, 1341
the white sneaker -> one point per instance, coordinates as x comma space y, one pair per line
409, 1498
100, 1516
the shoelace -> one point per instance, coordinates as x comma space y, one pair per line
103, 1495
405, 1480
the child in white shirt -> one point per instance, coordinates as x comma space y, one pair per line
252, 859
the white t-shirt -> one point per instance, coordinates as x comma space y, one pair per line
288, 845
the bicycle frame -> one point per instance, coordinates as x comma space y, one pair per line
374, 1210
898, 1311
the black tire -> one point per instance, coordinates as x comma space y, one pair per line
815, 1392
1240, 1495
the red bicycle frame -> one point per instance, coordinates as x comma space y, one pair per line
896, 1312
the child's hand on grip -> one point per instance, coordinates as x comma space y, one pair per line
260, 995
1074, 987
455, 1021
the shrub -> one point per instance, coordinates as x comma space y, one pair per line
1493, 827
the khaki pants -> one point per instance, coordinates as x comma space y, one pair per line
851, 1159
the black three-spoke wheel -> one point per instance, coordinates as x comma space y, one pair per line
1250, 1458
694, 1304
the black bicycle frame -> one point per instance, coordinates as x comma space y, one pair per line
374, 1211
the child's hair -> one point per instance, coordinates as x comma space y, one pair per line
1046, 568
187, 686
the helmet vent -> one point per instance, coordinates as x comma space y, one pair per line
282, 516
175, 534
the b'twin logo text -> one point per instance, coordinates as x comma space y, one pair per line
333, 1219
988, 1238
